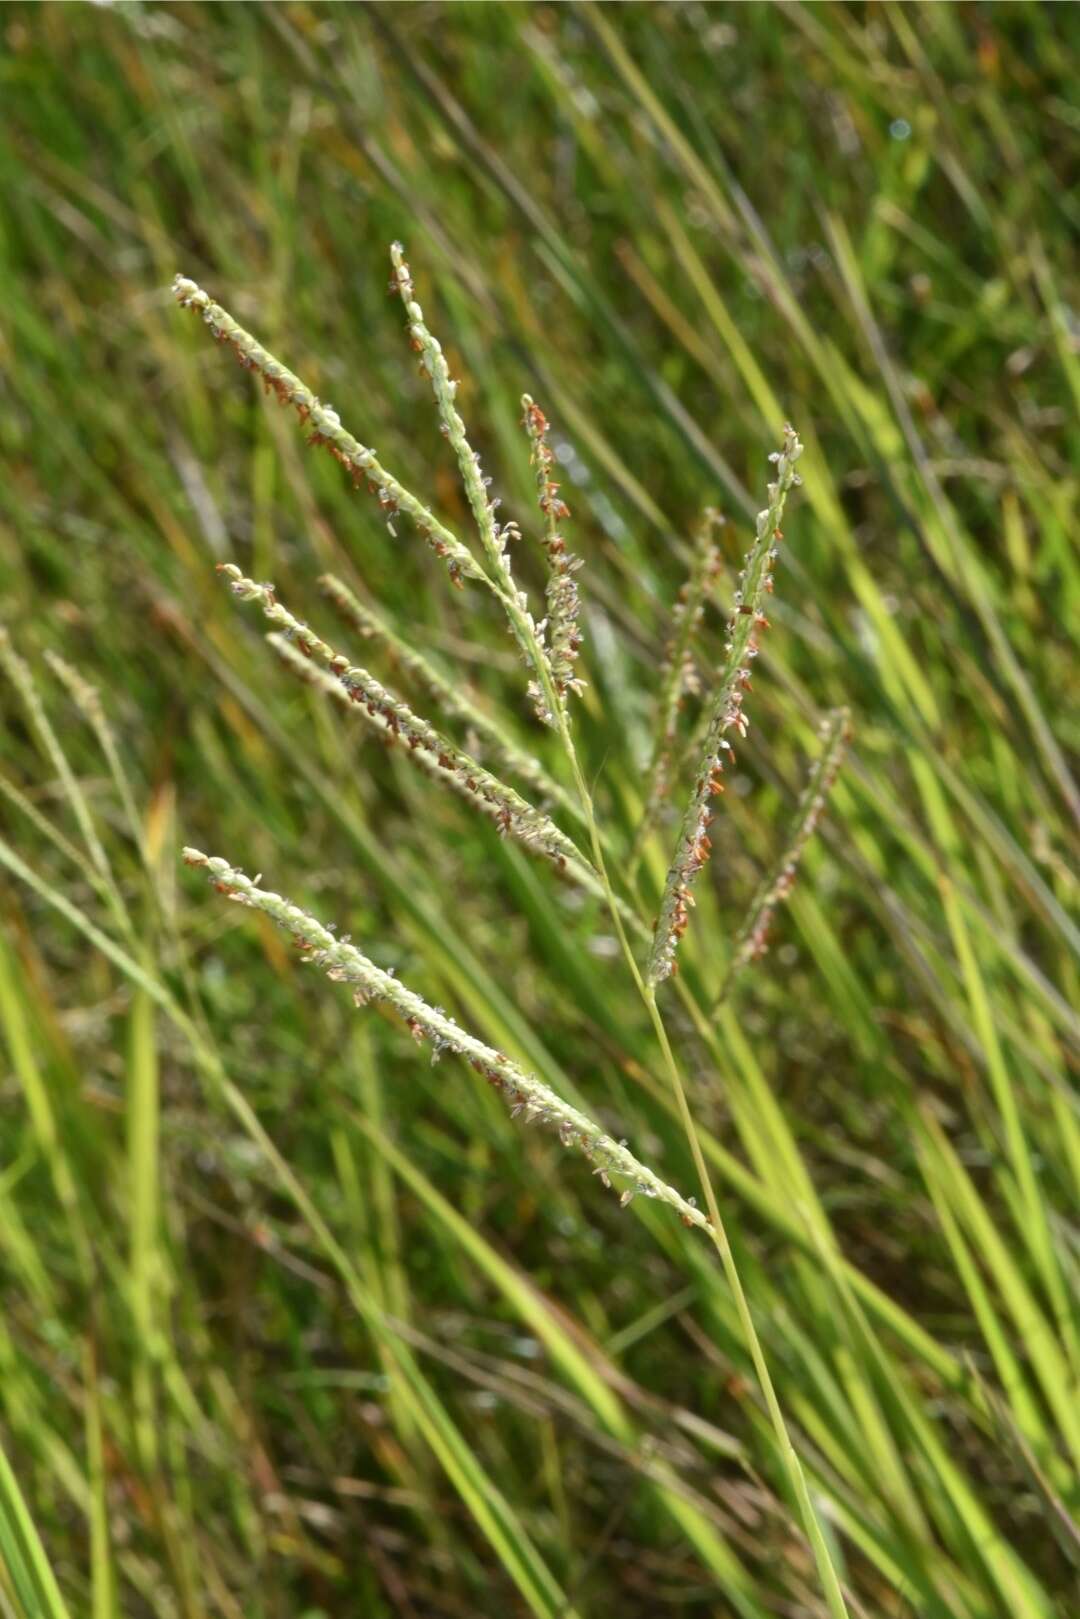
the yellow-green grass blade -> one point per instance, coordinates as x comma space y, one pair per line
572, 1362
102, 1574
144, 1257
1034, 1225
37, 1094
1035, 1329
492, 1513
27, 1574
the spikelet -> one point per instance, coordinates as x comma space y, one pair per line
752, 939
563, 605
495, 537
342, 962
747, 622
678, 675
497, 748
394, 720
360, 462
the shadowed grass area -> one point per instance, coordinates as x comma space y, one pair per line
295, 1324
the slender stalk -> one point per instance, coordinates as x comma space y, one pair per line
18, 672
715, 1225
88, 700
788, 1456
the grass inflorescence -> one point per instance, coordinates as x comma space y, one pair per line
550, 648
295, 1323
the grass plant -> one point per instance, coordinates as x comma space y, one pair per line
295, 1325
550, 649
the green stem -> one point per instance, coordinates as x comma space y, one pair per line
715, 1227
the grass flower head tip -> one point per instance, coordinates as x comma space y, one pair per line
361, 463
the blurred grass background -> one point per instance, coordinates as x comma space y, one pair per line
397, 1355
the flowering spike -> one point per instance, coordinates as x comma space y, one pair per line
360, 462
394, 720
563, 603
752, 939
678, 675
725, 713
493, 538
344, 963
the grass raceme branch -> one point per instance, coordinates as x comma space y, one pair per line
344, 963
495, 537
745, 626
752, 939
678, 675
394, 720
563, 605
496, 745
360, 462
